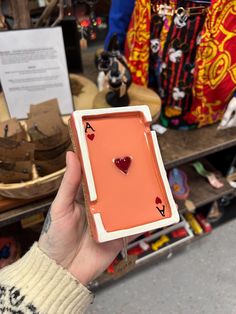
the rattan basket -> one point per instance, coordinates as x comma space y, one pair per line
42, 186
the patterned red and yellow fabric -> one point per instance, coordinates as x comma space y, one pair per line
169, 69
215, 67
138, 42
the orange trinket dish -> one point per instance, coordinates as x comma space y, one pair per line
125, 183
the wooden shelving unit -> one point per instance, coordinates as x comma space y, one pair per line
178, 148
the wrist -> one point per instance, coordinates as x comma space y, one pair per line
84, 270
74, 262
45, 283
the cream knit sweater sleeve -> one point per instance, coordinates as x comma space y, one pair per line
36, 284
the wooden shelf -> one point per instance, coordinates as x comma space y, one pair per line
16, 214
201, 192
179, 147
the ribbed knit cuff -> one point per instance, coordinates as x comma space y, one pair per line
46, 285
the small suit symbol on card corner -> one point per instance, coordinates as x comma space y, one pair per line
158, 202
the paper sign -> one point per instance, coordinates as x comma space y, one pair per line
33, 69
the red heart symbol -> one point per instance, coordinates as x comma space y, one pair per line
158, 200
91, 136
123, 163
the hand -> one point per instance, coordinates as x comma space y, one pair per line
229, 118
65, 237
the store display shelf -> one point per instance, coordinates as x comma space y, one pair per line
201, 192
159, 233
179, 147
12, 203
164, 253
16, 214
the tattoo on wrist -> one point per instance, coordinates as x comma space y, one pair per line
47, 222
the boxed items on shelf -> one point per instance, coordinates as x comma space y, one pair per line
164, 241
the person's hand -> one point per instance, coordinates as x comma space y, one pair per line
65, 237
229, 118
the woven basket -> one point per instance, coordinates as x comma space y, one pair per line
42, 186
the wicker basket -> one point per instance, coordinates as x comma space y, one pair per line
42, 186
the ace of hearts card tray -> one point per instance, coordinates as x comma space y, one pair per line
125, 184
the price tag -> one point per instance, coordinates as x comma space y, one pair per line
124, 266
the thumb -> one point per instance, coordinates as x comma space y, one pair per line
64, 201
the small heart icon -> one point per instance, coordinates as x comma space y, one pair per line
123, 163
91, 136
158, 200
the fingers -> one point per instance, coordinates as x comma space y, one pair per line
67, 192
